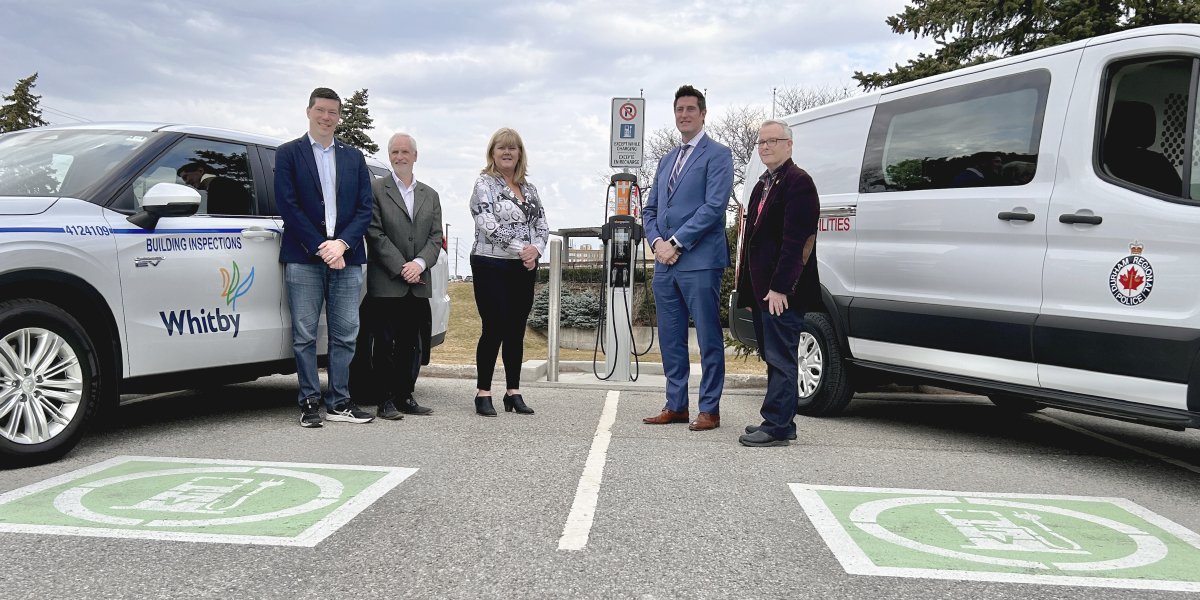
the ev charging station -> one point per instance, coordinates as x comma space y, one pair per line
622, 236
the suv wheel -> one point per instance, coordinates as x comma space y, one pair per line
49, 382
824, 377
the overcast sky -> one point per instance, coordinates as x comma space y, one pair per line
450, 73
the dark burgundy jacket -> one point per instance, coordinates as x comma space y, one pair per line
773, 250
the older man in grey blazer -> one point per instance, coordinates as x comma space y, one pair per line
403, 242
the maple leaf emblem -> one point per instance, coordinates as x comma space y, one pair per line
1130, 279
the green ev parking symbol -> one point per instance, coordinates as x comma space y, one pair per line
1024, 538
202, 500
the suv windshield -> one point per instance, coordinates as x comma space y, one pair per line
61, 162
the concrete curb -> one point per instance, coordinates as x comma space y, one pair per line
578, 374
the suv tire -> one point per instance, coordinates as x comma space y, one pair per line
49, 382
821, 359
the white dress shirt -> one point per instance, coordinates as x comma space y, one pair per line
407, 194
327, 171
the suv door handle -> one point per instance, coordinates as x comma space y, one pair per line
258, 233
1015, 216
1078, 219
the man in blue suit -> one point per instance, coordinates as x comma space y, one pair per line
685, 219
323, 191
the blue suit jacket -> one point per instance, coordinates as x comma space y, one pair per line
695, 213
302, 205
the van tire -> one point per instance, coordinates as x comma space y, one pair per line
1018, 404
42, 322
834, 388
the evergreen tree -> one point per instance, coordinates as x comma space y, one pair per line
356, 121
20, 109
970, 32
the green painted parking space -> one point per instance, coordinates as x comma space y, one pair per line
200, 500
1029, 538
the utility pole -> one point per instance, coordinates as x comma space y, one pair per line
455, 250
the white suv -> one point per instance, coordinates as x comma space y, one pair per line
117, 278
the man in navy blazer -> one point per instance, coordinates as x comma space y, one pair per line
323, 192
778, 277
684, 218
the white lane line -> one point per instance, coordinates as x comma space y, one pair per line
583, 510
1116, 442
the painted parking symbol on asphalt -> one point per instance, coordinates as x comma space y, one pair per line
199, 500
1021, 538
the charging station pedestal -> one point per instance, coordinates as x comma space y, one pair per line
622, 237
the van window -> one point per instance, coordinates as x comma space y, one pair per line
1144, 144
218, 170
1194, 164
974, 135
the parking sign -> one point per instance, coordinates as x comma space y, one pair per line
628, 117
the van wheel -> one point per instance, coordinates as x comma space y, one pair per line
49, 382
1016, 403
825, 387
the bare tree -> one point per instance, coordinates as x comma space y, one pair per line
737, 128
793, 99
656, 145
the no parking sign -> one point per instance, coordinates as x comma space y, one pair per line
628, 120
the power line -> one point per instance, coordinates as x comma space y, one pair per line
64, 113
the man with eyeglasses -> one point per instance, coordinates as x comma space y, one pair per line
323, 191
778, 276
685, 221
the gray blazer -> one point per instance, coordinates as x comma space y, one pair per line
395, 237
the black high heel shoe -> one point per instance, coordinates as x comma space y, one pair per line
483, 406
516, 402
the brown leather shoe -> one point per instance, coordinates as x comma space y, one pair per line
705, 421
667, 416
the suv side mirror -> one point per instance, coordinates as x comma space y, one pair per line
165, 200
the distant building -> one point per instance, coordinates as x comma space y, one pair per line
587, 256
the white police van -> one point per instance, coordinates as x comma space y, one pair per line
117, 278
1028, 229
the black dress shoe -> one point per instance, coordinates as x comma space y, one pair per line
387, 410
760, 439
483, 406
409, 406
517, 403
753, 428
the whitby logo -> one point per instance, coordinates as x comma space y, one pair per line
232, 287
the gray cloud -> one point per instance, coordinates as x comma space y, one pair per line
450, 73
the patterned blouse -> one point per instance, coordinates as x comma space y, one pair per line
503, 224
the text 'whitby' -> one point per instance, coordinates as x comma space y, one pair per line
184, 322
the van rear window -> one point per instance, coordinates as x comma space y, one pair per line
975, 135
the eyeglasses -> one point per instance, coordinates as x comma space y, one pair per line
771, 143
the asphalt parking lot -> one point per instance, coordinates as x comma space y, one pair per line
583, 501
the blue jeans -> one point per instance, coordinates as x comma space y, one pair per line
310, 288
779, 339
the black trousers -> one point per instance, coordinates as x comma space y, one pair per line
504, 296
390, 359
